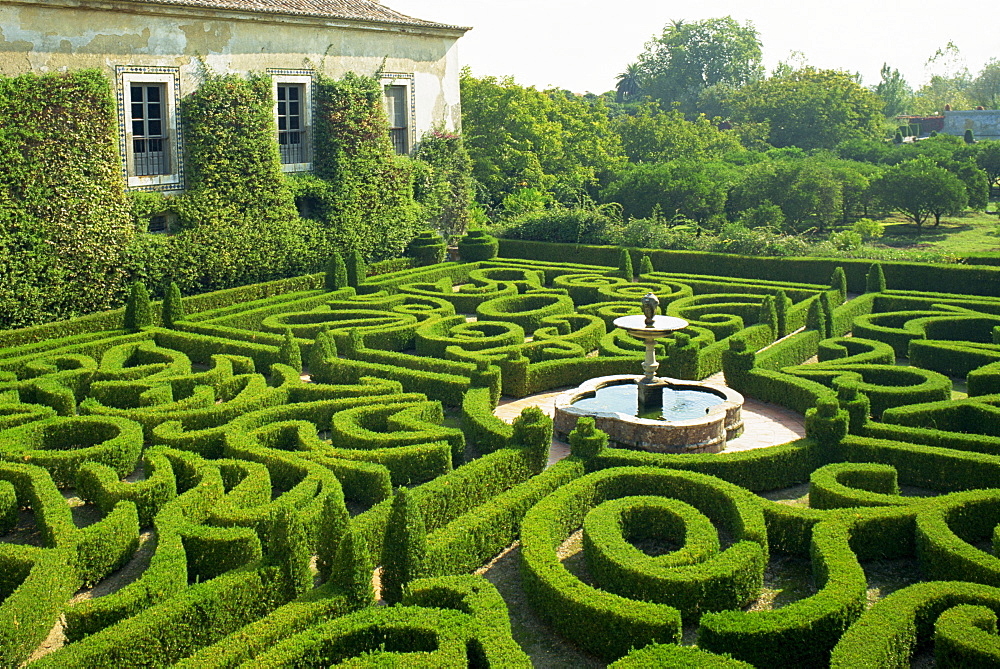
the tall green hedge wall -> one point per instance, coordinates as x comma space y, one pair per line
64, 223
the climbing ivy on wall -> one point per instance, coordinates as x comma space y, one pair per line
64, 225
233, 167
367, 195
71, 241
238, 217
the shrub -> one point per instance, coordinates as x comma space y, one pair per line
336, 272
405, 547
138, 310
173, 306
66, 228
625, 265
586, 440
427, 248
476, 245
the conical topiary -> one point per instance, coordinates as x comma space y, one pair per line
173, 307
287, 546
625, 265
816, 318
781, 307
290, 354
352, 570
138, 308
333, 523
875, 281
824, 299
336, 272
645, 266
768, 314
405, 546
324, 346
357, 270
838, 281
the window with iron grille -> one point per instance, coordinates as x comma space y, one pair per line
150, 142
291, 123
148, 123
292, 91
398, 110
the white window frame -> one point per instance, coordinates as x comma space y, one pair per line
168, 79
304, 80
406, 81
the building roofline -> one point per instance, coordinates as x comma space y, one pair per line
283, 11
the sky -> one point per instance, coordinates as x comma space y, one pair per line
583, 45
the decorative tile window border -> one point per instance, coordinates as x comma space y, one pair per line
306, 78
125, 75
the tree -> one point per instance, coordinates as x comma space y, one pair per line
810, 108
655, 136
629, 85
985, 89
522, 138
687, 58
895, 93
988, 160
444, 187
812, 191
948, 81
695, 190
920, 189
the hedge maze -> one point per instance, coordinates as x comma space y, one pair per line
228, 477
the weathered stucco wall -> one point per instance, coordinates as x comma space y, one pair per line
983, 124
58, 35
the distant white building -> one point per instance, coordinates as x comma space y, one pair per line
151, 50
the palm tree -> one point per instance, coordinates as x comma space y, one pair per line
629, 86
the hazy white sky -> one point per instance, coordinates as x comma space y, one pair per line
582, 45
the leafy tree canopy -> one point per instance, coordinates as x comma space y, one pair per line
657, 136
520, 137
810, 108
920, 189
895, 93
687, 58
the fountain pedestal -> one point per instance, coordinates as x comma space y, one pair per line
649, 328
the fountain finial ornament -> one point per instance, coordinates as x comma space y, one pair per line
650, 305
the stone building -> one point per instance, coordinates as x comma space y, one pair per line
154, 50
984, 124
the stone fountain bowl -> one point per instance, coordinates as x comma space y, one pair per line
704, 434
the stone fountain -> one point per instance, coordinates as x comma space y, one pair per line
663, 415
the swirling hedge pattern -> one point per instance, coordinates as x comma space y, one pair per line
219, 493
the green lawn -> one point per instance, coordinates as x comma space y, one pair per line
971, 232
